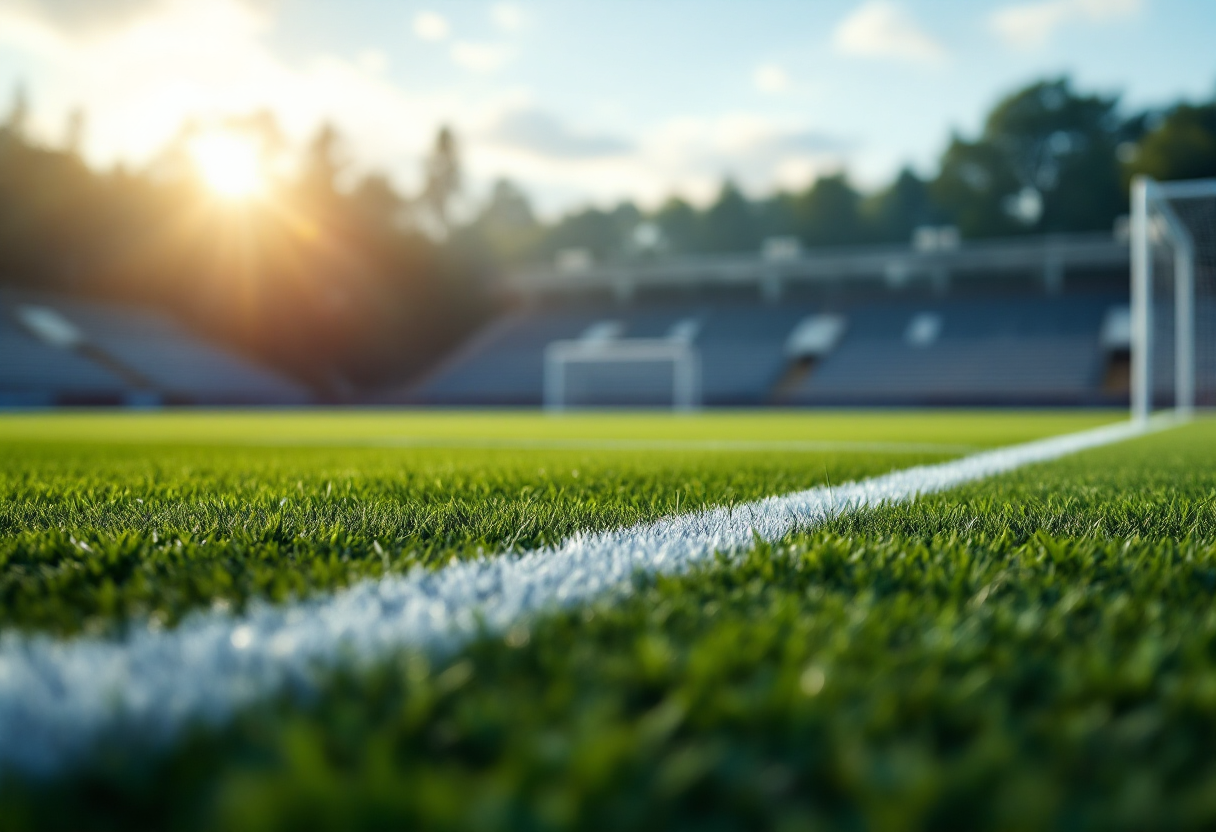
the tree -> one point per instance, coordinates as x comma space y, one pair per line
827, 213
682, 226
1182, 146
604, 233
508, 208
1045, 162
972, 186
506, 226
730, 223
377, 203
442, 180
73, 132
323, 163
777, 216
17, 120
892, 214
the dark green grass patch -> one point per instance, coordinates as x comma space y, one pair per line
1033, 652
91, 536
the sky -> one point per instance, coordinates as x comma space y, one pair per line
590, 102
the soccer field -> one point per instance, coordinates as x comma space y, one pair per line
1030, 650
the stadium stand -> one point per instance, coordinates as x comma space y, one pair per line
504, 365
1027, 322
34, 373
1033, 321
60, 351
1017, 350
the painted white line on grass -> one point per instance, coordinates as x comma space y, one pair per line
60, 697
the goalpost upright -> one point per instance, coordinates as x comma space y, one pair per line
1160, 231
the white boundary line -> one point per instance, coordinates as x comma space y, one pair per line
59, 697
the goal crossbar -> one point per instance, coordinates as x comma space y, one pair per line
682, 356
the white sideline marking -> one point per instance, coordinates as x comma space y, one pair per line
59, 697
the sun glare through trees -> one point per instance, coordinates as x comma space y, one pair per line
229, 164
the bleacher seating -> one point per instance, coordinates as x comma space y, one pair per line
504, 365
1012, 350
125, 355
987, 350
743, 351
35, 374
175, 362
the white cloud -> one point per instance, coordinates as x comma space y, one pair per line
431, 26
480, 57
83, 16
1030, 25
215, 60
760, 153
561, 166
372, 61
212, 62
882, 29
507, 16
538, 132
770, 79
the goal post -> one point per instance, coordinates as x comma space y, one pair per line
1173, 295
616, 372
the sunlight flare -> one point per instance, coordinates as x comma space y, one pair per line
229, 163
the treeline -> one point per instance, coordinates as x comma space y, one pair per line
1049, 159
340, 286
350, 285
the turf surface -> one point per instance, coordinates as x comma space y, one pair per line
959, 429
106, 518
1035, 651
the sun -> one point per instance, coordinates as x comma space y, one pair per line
229, 163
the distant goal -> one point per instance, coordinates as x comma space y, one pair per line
1173, 310
633, 372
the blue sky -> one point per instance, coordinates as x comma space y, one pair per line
590, 102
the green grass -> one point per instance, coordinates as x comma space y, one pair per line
1037, 651
109, 517
338, 428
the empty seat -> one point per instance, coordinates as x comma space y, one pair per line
1021, 350
119, 353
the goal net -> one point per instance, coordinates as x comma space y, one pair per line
640, 372
1173, 252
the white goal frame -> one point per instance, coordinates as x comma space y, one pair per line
1152, 216
684, 358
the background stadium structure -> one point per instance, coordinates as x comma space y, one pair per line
1025, 321
56, 350
1020, 321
